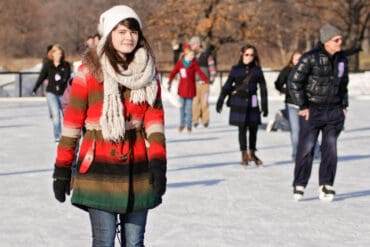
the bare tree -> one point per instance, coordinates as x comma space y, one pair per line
276, 27
22, 25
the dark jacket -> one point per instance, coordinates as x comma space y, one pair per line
281, 83
320, 80
244, 106
57, 77
207, 64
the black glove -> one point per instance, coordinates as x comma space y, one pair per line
219, 105
61, 183
61, 188
157, 176
265, 113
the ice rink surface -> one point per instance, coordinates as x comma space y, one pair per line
211, 200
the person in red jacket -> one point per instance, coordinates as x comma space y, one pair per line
187, 68
121, 166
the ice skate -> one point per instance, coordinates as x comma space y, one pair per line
326, 193
298, 193
271, 126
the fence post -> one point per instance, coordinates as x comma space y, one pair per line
220, 79
20, 84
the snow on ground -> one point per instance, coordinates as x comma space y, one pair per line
211, 200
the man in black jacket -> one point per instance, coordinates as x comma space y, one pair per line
318, 85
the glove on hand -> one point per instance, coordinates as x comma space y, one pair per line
61, 187
219, 105
265, 113
157, 176
61, 183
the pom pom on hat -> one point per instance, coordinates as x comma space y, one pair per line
327, 32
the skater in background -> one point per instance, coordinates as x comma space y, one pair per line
281, 84
96, 39
121, 168
92, 41
187, 68
241, 89
89, 41
176, 49
45, 83
48, 54
57, 71
290, 112
207, 64
318, 85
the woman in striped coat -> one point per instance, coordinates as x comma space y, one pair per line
121, 170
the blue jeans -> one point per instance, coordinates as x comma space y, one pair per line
294, 127
186, 112
293, 118
55, 109
104, 226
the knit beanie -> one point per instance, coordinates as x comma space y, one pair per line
327, 32
110, 18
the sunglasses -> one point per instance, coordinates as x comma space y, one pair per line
249, 55
337, 40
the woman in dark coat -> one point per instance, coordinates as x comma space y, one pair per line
281, 84
241, 88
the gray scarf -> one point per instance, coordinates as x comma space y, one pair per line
139, 77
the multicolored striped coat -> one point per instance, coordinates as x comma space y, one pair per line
118, 178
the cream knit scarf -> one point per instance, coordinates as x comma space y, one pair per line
139, 77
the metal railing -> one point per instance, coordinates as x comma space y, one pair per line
24, 85
17, 81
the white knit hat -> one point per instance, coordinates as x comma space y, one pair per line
110, 18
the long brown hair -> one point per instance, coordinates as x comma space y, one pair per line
290, 63
256, 59
114, 58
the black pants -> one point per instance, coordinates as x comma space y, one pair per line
330, 123
252, 137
